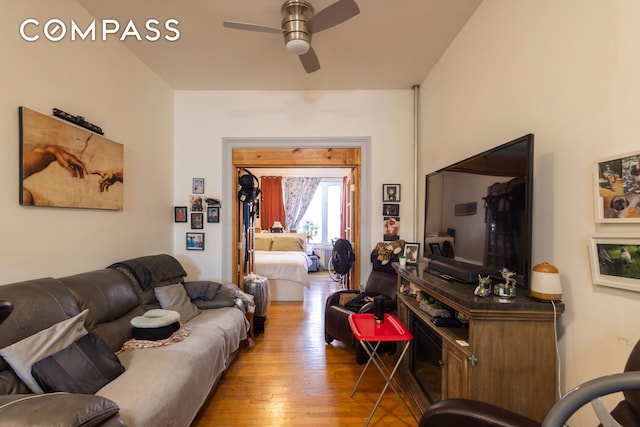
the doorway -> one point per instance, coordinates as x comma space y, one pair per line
297, 157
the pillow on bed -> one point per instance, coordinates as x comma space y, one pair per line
262, 244
287, 244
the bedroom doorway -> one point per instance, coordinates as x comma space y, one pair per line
339, 157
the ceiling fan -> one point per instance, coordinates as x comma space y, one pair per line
299, 23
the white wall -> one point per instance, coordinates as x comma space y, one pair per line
203, 119
103, 82
569, 72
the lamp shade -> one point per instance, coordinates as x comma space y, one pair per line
545, 283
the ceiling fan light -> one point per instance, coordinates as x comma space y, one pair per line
298, 46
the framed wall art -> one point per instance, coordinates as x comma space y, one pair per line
213, 214
390, 192
391, 227
617, 189
180, 214
390, 209
197, 203
615, 260
63, 165
195, 241
198, 185
197, 220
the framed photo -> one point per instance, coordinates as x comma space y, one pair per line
213, 214
197, 203
463, 209
195, 241
435, 248
390, 209
197, 220
390, 192
617, 189
615, 260
198, 185
180, 214
391, 228
411, 251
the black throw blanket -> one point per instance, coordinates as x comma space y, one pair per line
153, 269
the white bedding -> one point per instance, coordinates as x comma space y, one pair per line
289, 265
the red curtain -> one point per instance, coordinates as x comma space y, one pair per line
271, 202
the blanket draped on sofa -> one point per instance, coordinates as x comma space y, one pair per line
151, 270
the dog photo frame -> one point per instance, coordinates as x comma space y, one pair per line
411, 252
390, 192
617, 189
615, 260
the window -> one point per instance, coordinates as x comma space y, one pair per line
324, 212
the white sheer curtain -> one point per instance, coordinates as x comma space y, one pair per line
298, 192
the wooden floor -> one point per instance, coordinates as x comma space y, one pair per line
291, 377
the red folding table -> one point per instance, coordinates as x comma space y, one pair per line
370, 334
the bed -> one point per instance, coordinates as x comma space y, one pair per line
282, 258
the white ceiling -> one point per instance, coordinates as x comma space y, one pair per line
389, 45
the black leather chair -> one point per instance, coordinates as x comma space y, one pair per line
382, 280
471, 413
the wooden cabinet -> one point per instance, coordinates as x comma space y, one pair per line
455, 373
506, 355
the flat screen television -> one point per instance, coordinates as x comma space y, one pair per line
478, 215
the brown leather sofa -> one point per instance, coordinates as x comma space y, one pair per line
471, 413
382, 280
145, 393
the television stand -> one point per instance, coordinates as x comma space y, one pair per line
506, 354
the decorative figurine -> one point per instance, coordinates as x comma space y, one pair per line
508, 288
484, 286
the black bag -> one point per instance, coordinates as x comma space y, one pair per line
360, 300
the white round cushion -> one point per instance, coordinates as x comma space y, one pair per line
156, 318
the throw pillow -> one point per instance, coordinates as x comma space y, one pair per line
23, 354
84, 367
174, 297
287, 244
224, 298
203, 289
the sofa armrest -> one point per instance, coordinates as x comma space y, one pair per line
334, 298
472, 413
60, 409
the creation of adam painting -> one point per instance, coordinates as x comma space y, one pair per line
64, 165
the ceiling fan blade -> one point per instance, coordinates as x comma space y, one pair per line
252, 27
310, 61
333, 15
